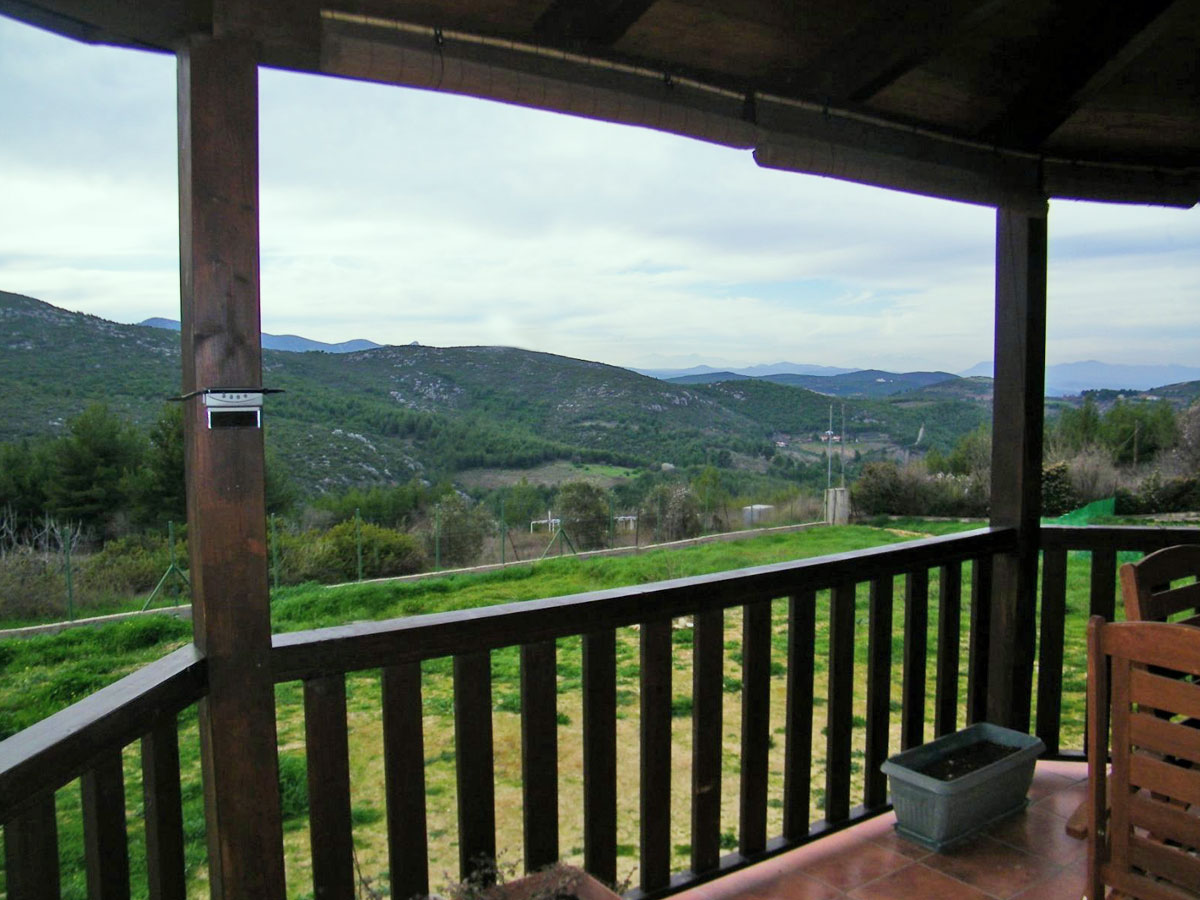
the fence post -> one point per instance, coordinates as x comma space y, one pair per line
358, 540
611, 533
437, 537
503, 532
70, 582
274, 554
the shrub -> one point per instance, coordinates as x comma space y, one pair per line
672, 512
460, 528
1156, 495
332, 556
31, 586
128, 565
583, 510
1058, 493
884, 488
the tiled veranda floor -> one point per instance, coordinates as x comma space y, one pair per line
1028, 856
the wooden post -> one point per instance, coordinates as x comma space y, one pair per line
1017, 420
218, 218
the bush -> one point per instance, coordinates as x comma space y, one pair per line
31, 587
459, 531
671, 512
1156, 495
583, 510
1058, 493
332, 556
129, 565
884, 488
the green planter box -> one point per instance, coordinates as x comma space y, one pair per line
938, 813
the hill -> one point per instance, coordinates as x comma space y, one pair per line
389, 414
860, 383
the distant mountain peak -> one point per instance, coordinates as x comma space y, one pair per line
292, 343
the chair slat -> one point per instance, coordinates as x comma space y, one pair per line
105, 839
797, 758
404, 780
839, 727
916, 624
473, 752
1164, 778
1150, 732
756, 726
1181, 868
879, 690
31, 852
329, 824
539, 753
656, 755
1131, 884
600, 754
708, 648
945, 717
1172, 695
166, 875
1141, 581
1163, 604
1165, 821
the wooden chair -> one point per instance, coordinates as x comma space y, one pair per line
1144, 831
1146, 585
1149, 597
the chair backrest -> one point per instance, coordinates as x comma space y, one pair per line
1148, 846
1146, 585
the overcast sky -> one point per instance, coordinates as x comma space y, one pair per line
398, 215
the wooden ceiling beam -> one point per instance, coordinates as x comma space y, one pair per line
1087, 46
892, 39
601, 22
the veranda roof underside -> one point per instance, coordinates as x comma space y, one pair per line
1002, 102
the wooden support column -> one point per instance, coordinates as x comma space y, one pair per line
1017, 419
218, 231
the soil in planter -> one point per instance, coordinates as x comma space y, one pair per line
966, 760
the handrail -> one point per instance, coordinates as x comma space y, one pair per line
1116, 537
365, 645
46, 755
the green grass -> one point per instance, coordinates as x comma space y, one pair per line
41, 675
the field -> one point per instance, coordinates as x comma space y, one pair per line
551, 473
44, 674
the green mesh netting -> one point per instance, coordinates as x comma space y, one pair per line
1085, 514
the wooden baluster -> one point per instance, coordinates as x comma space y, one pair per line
166, 875
839, 728
916, 624
1104, 583
404, 779
656, 755
1050, 650
329, 823
539, 753
945, 714
105, 841
474, 757
600, 754
981, 618
797, 762
708, 653
756, 725
31, 852
879, 690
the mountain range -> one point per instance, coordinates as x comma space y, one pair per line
388, 414
290, 342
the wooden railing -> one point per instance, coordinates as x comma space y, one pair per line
1102, 545
87, 739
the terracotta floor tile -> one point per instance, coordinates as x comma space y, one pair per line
1063, 803
1046, 783
856, 864
1041, 833
993, 867
792, 886
1066, 884
917, 882
1076, 771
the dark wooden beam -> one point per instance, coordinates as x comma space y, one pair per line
1017, 421
893, 38
1086, 45
221, 347
602, 22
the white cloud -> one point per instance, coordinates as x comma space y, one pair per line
402, 215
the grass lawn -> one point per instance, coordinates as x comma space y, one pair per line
41, 675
